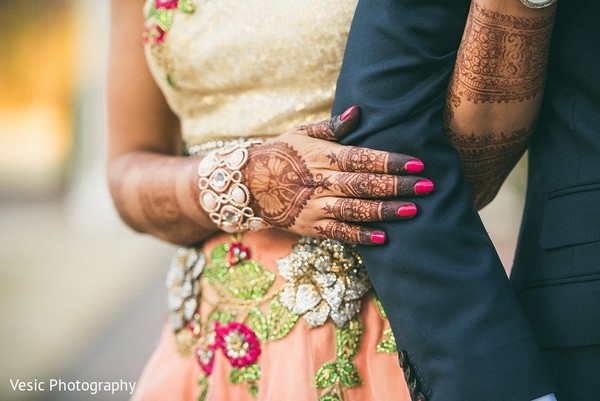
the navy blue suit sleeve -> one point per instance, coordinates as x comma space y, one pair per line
452, 310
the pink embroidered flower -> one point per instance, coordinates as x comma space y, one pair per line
194, 328
159, 35
237, 253
206, 359
166, 4
205, 353
154, 34
239, 343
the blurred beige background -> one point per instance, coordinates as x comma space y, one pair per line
81, 296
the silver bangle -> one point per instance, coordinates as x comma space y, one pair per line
222, 193
537, 3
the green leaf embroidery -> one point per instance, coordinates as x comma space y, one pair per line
252, 372
379, 306
236, 376
348, 339
341, 373
217, 268
221, 316
348, 374
219, 252
330, 398
248, 374
171, 81
164, 18
186, 6
388, 343
258, 323
253, 388
248, 280
280, 321
203, 383
327, 375
151, 10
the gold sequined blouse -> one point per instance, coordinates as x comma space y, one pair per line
238, 68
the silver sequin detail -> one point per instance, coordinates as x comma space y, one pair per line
183, 287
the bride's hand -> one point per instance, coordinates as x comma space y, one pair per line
303, 182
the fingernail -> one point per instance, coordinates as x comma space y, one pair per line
348, 113
414, 166
407, 210
377, 237
423, 187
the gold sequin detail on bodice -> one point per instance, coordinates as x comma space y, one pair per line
247, 68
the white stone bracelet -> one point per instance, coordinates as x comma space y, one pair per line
222, 193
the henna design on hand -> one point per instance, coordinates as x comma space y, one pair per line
363, 210
334, 128
321, 130
364, 160
280, 182
488, 159
344, 232
363, 185
502, 57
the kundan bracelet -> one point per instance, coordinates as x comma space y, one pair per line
222, 194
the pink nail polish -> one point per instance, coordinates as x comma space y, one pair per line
407, 211
423, 187
348, 112
378, 237
414, 166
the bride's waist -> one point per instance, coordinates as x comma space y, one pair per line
266, 245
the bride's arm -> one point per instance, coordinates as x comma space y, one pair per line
155, 190
496, 90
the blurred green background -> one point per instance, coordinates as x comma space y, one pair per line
81, 296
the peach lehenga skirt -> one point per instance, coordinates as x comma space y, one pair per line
270, 317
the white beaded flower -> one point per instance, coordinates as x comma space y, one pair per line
326, 278
183, 285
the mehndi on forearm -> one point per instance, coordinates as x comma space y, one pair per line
158, 194
496, 90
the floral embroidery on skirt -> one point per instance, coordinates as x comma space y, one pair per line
325, 283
